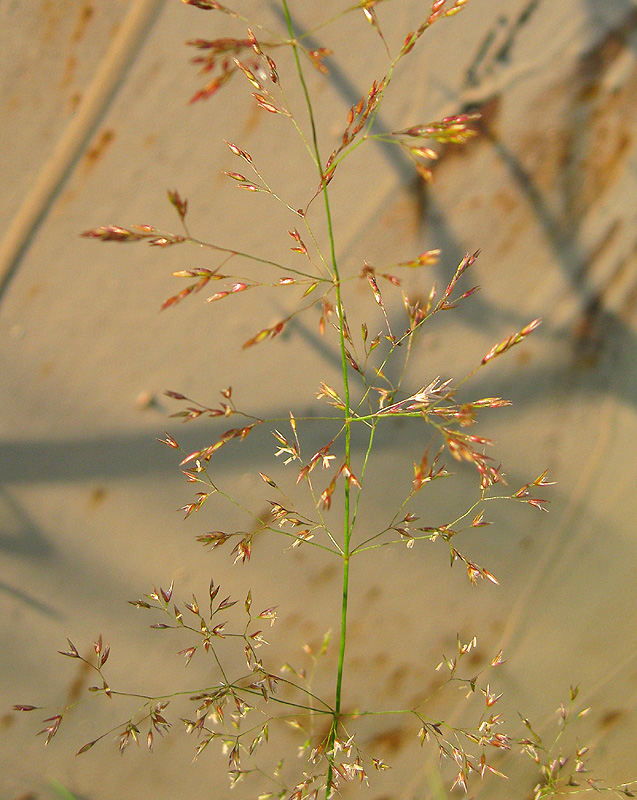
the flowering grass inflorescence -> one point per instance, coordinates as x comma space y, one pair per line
239, 709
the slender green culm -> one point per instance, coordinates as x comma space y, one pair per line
347, 529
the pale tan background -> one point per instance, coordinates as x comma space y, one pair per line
95, 126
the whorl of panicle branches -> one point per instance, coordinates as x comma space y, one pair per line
246, 699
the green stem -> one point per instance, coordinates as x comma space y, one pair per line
347, 527
251, 257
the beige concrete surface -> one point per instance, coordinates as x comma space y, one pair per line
95, 126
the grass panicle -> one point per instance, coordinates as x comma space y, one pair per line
241, 707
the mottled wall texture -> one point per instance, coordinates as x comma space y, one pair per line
96, 126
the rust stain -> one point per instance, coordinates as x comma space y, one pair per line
627, 309
366, 663
86, 12
51, 19
74, 100
255, 115
13, 102
292, 620
587, 328
526, 543
100, 146
610, 143
513, 230
523, 356
390, 740
46, 369
65, 198
498, 626
433, 685
475, 658
6, 720
379, 660
489, 112
505, 200
324, 575
396, 680
606, 52
588, 333
545, 157
402, 216
601, 117
69, 72
76, 687
322, 731
611, 717
606, 242
97, 497
372, 594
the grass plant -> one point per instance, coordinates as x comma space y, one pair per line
239, 709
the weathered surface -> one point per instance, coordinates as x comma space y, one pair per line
87, 499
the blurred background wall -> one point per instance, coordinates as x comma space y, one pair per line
96, 125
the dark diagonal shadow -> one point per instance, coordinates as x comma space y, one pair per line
19, 535
28, 600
